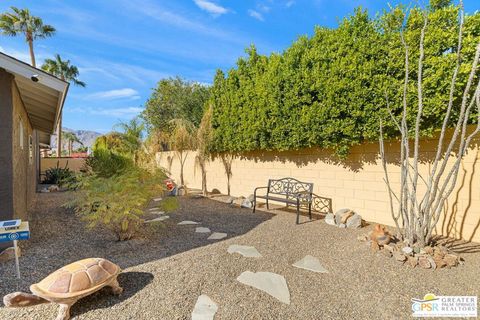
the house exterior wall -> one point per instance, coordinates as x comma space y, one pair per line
24, 146
355, 183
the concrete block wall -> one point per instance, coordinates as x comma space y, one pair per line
355, 183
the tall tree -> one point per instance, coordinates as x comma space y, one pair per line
132, 134
67, 72
71, 139
20, 21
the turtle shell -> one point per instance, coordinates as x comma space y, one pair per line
78, 278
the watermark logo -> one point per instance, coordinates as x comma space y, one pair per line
444, 306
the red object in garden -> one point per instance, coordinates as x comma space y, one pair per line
170, 184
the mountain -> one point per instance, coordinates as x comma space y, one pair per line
87, 137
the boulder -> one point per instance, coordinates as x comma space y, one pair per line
342, 225
440, 263
451, 260
330, 219
355, 221
432, 262
407, 250
340, 214
388, 247
399, 256
412, 261
224, 199
246, 203
423, 262
215, 191
53, 188
237, 202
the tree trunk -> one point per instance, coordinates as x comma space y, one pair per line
32, 54
59, 136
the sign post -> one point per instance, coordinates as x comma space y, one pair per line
14, 230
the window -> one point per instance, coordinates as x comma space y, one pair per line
30, 149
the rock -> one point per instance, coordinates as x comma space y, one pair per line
389, 248
9, 254
44, 190
412, 261
428, 250
310, 263
246, 251
217, 236
202, 230
355, 221
271, 283
439, 262
346, 216
181, 191
238, 201
340, 214
399, 256
451, 260
432, 262
187, 222
224, 199
423, 262
330, 219
204, 309
251, 198
247, 203
342, 225
157, 199
383, 239
386, 253
53, 188
374, 246
215, 191
407, 250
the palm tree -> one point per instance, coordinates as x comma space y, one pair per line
71, 138
67, 72
20, 21
132, 132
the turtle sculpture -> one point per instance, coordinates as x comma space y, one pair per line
69, 284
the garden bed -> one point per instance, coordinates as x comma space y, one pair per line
166, 270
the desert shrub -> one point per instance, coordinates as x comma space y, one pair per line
117, 202
58, 175
105, 163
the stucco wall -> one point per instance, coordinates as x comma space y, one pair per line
74, 164
356, 183
24, 176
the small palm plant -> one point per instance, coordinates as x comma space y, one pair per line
20, 21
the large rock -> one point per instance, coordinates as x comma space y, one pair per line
247, 203
224, 199
354, 221
330, 219
238, 201
271, 283
340, 214
204, 309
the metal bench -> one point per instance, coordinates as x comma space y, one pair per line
287, 190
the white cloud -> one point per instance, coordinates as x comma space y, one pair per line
24, 55
124, 93
123, 112
290, 3
210, 7
255, 14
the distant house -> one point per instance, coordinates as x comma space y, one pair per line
30, 103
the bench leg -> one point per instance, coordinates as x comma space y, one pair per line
310, 210
254, 203
298, 212
267, 205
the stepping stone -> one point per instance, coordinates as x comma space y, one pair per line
217, 236
246, 251
204, 309
202, 230
271, 283
310, 263
187, 222
162, 218
157, 212
154, 209
157, 199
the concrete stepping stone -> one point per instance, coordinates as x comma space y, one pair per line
187, 222
157, 212
271, 283
154, 209
157, 199
202, 230
310, 263
246, 251
162, 218
204, 309
217, 236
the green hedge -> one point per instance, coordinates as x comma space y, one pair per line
330, 90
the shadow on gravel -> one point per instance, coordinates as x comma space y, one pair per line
59, 237
131, 282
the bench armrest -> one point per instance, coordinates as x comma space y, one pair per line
257, 188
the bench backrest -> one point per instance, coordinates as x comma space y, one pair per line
288, 186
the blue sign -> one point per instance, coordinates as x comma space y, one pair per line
20, 233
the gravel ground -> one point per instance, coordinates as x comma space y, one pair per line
166, 271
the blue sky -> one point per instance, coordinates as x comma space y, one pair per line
123, 47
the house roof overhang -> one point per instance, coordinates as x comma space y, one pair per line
42, 94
